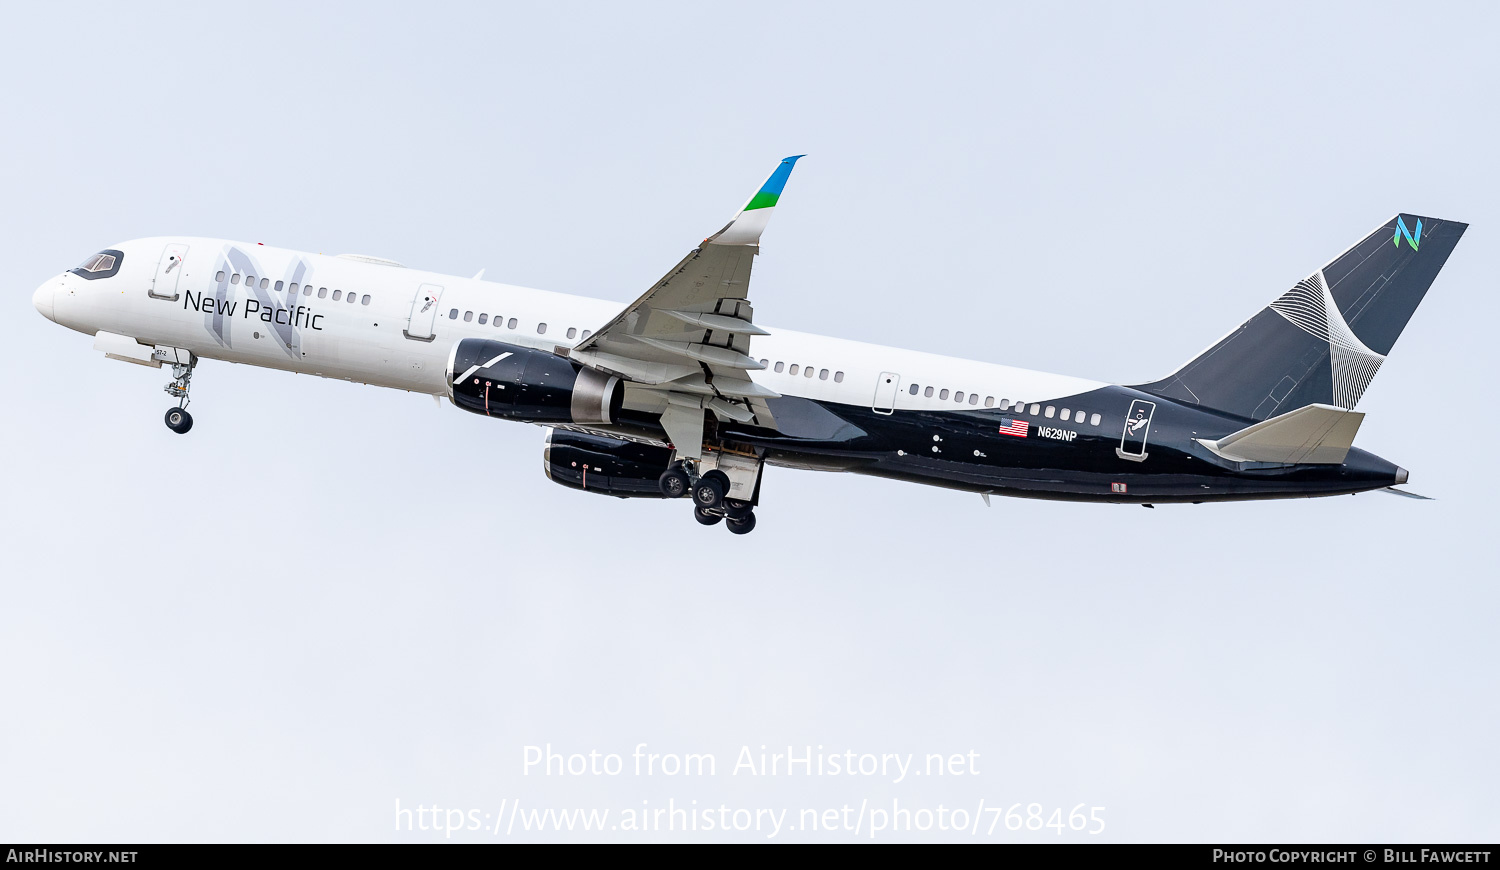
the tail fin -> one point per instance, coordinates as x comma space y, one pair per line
1323, 341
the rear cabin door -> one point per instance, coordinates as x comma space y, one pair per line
424, 309
1137, 429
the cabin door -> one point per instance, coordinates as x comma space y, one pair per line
424, 309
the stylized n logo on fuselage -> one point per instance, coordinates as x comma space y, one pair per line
1412, 238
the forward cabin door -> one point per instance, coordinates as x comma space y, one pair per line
168, 272
424, 309
885, 392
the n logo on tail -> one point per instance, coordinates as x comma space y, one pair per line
1411, 238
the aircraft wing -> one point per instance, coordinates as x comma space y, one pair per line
684, 345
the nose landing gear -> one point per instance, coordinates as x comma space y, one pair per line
178, 419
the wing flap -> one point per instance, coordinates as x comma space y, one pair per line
717, 322
637, 370
708, 353
723, 385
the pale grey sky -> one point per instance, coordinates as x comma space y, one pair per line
331, 597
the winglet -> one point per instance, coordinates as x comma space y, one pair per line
750, 221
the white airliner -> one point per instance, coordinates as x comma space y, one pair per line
683, 393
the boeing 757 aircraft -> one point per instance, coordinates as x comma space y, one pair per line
683, 393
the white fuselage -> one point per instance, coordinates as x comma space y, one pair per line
363, 320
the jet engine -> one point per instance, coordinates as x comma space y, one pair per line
521, 383
610, 466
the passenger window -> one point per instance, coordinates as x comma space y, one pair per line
235, 278
822, 374
587, 333
249, 280
927, 393
220, 277
468, 315
264, 283
764, 363
1064, 414
349, 298
279, 285
1035, 409
293, 288
1095, 419
793, 369
483, 318
989, 401
452, 315
943, 394
914, 389
541, 329
958, 396
973, 398
572, 332
306, 289
1050, 411
838, 377
337, 294
365, 300
807, 372
511, 324
779, 366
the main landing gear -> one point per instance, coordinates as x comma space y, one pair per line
709, 492
178, 419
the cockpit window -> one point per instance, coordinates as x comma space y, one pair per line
101, 265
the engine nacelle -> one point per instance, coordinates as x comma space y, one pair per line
521, 383
608, 466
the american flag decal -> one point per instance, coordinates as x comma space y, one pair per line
1012, 426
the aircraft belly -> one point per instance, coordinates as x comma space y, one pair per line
970, 450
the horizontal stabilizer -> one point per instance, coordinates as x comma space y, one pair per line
1405, 492
1313, 435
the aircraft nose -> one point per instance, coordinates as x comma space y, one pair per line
43, 297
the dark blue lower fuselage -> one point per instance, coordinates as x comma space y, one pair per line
1074, 460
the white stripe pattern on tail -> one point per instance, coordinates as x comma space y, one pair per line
1310, 307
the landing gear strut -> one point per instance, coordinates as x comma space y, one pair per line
718, 493
710, 489
178, 419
